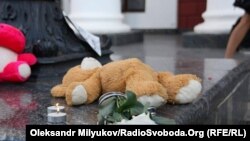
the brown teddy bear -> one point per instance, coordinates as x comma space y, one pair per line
84, 83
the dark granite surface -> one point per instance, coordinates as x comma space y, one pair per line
223, 84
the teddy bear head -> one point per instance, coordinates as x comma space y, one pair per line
11, 38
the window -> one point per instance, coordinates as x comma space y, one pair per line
133, 5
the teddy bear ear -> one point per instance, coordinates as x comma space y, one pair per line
89, 63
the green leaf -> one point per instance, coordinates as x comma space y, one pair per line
110, 119
120, 101
104, 111
117, 117
137, 109
162, 121
130, 101
126, 114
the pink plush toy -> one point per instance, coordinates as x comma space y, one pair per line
14, 65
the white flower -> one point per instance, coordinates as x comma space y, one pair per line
142, 119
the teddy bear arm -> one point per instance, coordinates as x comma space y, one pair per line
58, 91
85, 92
27, 57
182, 89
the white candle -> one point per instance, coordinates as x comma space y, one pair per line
53, 109
57, 117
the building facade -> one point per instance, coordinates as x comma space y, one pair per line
153, 14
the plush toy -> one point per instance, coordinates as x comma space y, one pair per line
83, 84
14, 65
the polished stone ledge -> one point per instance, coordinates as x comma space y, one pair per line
26, 103
234, 86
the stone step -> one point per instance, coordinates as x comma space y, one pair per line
126, 37
191, 39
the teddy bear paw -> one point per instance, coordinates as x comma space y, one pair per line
153, 100
79, 95
24, 70
189, 93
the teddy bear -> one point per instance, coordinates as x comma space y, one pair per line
83, 84
14, 65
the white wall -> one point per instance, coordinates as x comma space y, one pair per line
159, 14
66, 6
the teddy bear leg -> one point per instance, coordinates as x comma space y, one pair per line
147, 90
85, 92
182, 89
16, 72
